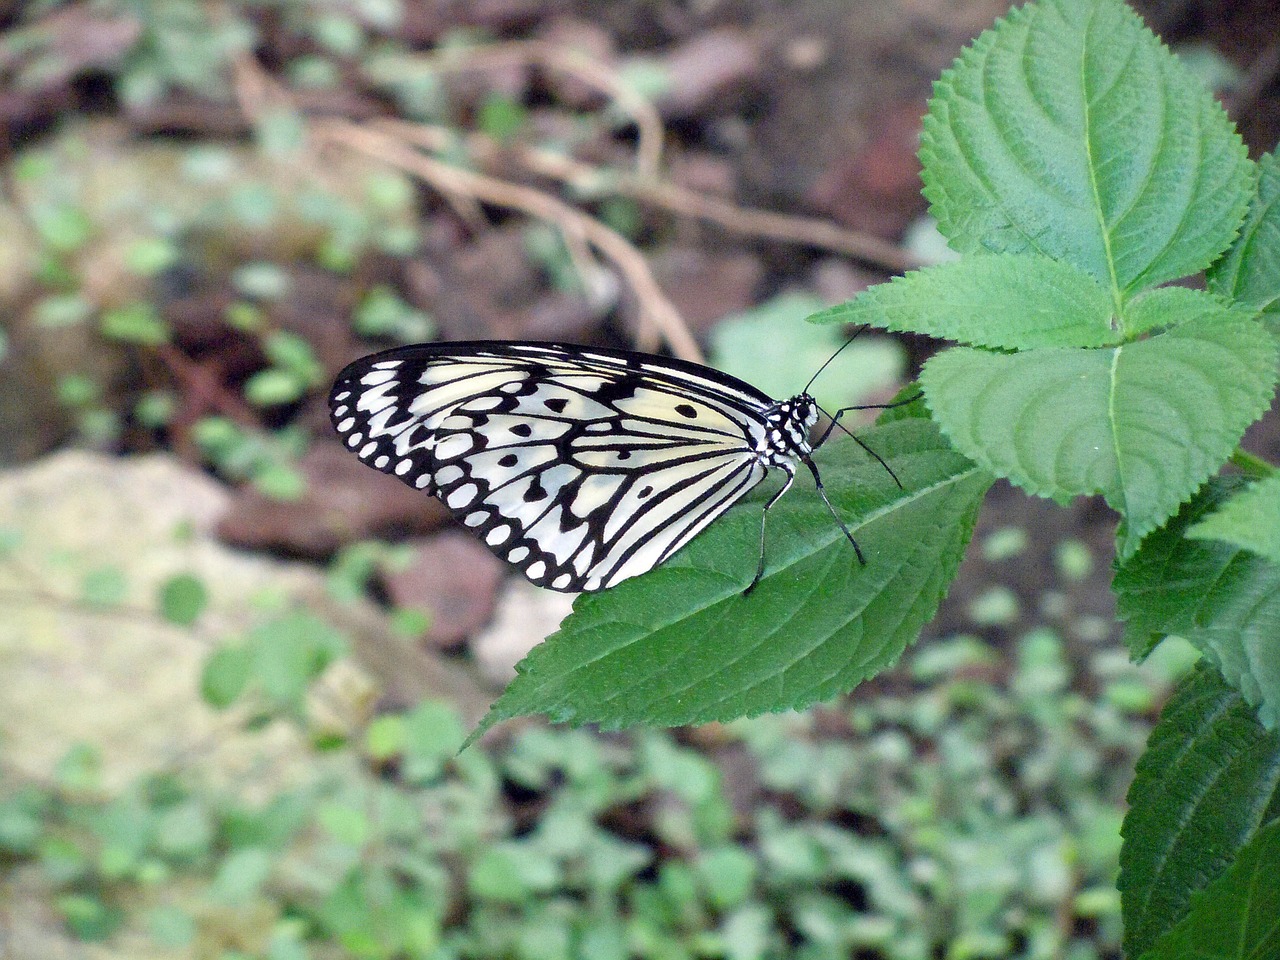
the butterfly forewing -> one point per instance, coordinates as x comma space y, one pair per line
581, 467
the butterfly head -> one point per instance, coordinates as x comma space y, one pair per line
788, 424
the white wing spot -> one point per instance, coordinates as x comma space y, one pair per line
561, 581
518, 554
453, 446
422, 481
462, 497
475, 518
447, 475
340, 411
382, 461
592, 583
535, 570
377, 378
386, 364
515, 386
339, 397
368, 448
346, 424
498, 534
353, 441
403, 467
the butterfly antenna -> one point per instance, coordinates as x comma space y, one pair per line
827, 363
835, 422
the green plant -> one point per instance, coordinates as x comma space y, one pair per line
562, 844
1077, 167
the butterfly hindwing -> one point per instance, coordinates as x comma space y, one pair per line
581, 467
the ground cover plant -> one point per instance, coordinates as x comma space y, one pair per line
1082, 173
984, 791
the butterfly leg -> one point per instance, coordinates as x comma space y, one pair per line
791, 476
835, 422
817, 480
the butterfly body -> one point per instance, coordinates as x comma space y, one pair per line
580, 466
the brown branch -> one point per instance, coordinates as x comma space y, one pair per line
630, 262
805, 231
649, 128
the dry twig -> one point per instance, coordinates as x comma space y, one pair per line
649, 129
537, 203
806, 231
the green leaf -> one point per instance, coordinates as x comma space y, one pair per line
241, 875
501, 117
1171, 307
63, 227
63, 310
22, 822
382, 313
1209, 778
182, 599
104, 586
682, 645
150, 255
1070, 131
1143, 424
1006, 301
1250, 271
225, 675
172, 927
271, 387
745, 345
1236, 917
185, 831
88, 917
291, 651
1249, 520
511, 872
1224, 600
262, 280
136, 323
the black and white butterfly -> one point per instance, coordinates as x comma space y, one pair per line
580, 466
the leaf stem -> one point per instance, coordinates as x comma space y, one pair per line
1251, 465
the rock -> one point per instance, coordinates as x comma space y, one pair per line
345, 501
123, 680
526, 616
456, 579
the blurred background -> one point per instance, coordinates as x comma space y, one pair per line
236, 665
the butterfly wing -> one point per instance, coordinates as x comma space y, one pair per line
581, 467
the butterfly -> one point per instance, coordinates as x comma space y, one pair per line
580, 466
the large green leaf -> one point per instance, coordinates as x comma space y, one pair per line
1144, 424
1070, 131
1238, 916
682, 645
1209, 779
1009, 301
1223, 599
1249, 520
1170, 307
1250, 272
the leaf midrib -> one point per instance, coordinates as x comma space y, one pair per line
1117, 299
